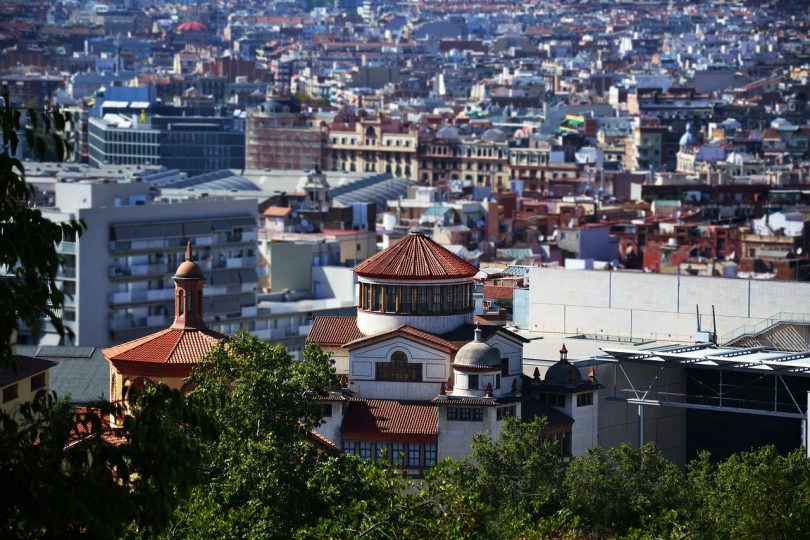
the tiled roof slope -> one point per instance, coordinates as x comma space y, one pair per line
168, 346
407, 331
388, 420
334, 331
415, 257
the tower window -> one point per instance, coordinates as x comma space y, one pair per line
472, 382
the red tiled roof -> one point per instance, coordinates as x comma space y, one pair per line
320, 441
405, 330
415, 257
384, 420
168, 346
498, 292
334, 331
82, 429
277, 211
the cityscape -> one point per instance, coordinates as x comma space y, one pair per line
346, 268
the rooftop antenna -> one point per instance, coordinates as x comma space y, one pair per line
714, 327
697, 309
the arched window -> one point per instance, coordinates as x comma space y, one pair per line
398, 369
181, 301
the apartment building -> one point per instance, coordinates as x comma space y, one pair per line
374, 144
117, 270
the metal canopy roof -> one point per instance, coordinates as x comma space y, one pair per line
708, 355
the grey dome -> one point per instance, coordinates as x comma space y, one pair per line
478, 354
563, 373
447, 132
494, 135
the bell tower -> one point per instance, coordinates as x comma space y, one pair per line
188, 295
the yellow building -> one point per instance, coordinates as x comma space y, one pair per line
21, 382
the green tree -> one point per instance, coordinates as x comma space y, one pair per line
262, 478
615, 489
60, 476
756, 494
70, 480
392, 505
29, 262
519, 474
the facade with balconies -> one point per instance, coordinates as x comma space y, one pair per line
116, 271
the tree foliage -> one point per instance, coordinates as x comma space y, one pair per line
69, 480
29, 262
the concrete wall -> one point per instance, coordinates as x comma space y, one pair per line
334, 282
290, 267
652, 306
584, 432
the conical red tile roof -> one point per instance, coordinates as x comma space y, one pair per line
168, 346
415, 257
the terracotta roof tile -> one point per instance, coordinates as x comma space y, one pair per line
498, 292
388, 420
277, 211
415, 257
82, 429
168, 346
334, 331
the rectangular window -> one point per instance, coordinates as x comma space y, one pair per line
376, 297
421, 300
452, 413
414, 456
407, 299
348, 447
497, 380
503, 412
504, 367
38, 381
430, 455
465, 413
472, 382
398, 453
10, 393
478, 414
390, 299
583, 400
365, 450
326, 410
436, 306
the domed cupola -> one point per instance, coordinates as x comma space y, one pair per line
477, 355
563, 373
415, 282
477, 369
689, 139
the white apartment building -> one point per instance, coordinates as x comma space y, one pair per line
117, 270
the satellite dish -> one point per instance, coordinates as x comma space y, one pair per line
799, 251
543, 238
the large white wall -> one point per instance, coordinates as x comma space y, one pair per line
653, 306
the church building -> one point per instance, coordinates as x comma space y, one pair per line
169, 355
420, 378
